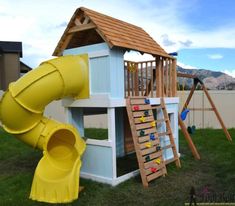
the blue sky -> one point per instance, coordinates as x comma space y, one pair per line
202, 31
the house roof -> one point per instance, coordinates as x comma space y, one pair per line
24, 68
88, 27
11, 47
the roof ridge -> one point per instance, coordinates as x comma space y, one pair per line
84, 9
113, 31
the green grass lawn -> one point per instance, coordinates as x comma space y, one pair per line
216, 170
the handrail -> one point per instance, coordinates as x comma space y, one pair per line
154, 78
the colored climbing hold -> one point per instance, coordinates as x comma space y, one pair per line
158, 147
142, 132
148, 144
147, 101
146, 113
136, 108
158, 160
153, 169
142, 119
147, 158
153, 124
152, 136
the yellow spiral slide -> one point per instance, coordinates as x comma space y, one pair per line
56, 178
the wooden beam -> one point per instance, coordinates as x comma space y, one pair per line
189, 97
64, 44
166, 78
188, 139
170, 78
77, 22
186, 75
201, 109
217, 113
158, 77
82, 27
103, 37
174, 78
86, 20
162, 78
136, 75
150, 85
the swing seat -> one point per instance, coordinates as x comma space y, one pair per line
190, 130
193, 128
184, 114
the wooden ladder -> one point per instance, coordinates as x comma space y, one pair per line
147, 140
169, 132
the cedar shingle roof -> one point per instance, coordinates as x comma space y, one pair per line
89, 27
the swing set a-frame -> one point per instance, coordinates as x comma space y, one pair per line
185, 132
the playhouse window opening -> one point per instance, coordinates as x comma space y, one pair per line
96, 123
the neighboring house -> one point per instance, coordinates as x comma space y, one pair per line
24, 68
10, 66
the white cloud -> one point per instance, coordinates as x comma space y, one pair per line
186, 66
230, 72
40, 24
215, 56
137, 57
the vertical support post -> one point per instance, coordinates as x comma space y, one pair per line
128, 79
170, 78
162, 78
174, 78
167, 77
112, 138
152, 78
136, 79
158, 77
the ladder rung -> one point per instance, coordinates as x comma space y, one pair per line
137, 120
155, 175
146, 125
144, 138
168, 146
153, 144
161, 120
170, 160
157, 107
147, 131
152, 156
141, 107
164, 133
148, 151
141, 113
153, 163
158, 167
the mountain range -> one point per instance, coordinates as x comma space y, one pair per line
213, 80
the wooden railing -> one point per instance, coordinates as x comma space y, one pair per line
151, 78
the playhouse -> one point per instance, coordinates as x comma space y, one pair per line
112, 80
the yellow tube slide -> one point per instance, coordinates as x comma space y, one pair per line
56, 179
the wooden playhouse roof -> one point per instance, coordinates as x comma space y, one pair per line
88, 27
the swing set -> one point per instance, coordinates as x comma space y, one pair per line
186, 111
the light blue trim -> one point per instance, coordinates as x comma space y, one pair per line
97, 160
